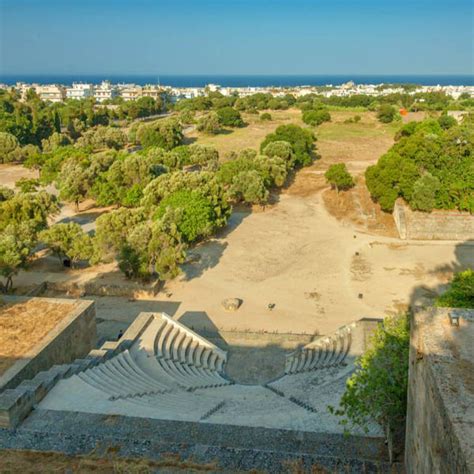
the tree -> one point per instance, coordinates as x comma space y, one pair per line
208, 124
427, 148
301, 141
17, 241
377, 391
34, 208
424, 193
338, 177
164, 133
27, 185
8, 144
103, 137
447, 121
74, 182
112, 229
154, 249
248, 186
386, 113
391, 177
316, 117
68, 240
55, 141
229, 117
193, 212
283, 150
460, 293
5, 193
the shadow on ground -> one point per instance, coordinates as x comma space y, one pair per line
253, 358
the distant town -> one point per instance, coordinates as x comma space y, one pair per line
107, 91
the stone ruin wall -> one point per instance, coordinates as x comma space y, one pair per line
436, 225
433, 444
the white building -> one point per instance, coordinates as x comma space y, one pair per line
80, 91
105, 91
51, 92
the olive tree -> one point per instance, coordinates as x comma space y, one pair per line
68, 241
338, 177
17, 241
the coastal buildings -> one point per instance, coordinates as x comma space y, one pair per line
51, 92
108, 91
80, 91
105, 91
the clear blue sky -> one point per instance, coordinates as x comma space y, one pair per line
236, 36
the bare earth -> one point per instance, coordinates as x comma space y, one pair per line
11, 173
323, 260
23, 325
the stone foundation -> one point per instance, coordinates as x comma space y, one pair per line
436, 225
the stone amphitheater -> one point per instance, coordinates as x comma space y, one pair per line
162, 387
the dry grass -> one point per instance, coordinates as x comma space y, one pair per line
26, 462
23, 325
356, 207
249, 136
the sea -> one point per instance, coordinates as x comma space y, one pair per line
241, 80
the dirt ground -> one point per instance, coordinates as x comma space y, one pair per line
11, 173
23, 325
324, 260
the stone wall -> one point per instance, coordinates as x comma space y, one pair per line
436, 225
71, 339
440, 428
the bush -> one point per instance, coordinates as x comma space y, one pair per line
229, 117
424, 193
167, 134
338, 177
283, 150
300, 139
377, 391
8, 144
248, 186
265, 117
460, 294
209, 124
446, 121
386, 113
316, 117
193, 212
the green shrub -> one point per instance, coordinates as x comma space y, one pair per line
229, 117
460, 294
300, 139
338, 177
377, 391
316, 117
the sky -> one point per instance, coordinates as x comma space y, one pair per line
236, 37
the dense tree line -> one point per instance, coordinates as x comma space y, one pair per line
431, 166
31, 126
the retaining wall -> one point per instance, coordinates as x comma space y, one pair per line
439, 429
435, 225
71, 339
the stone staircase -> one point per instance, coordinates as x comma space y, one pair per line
330, 351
